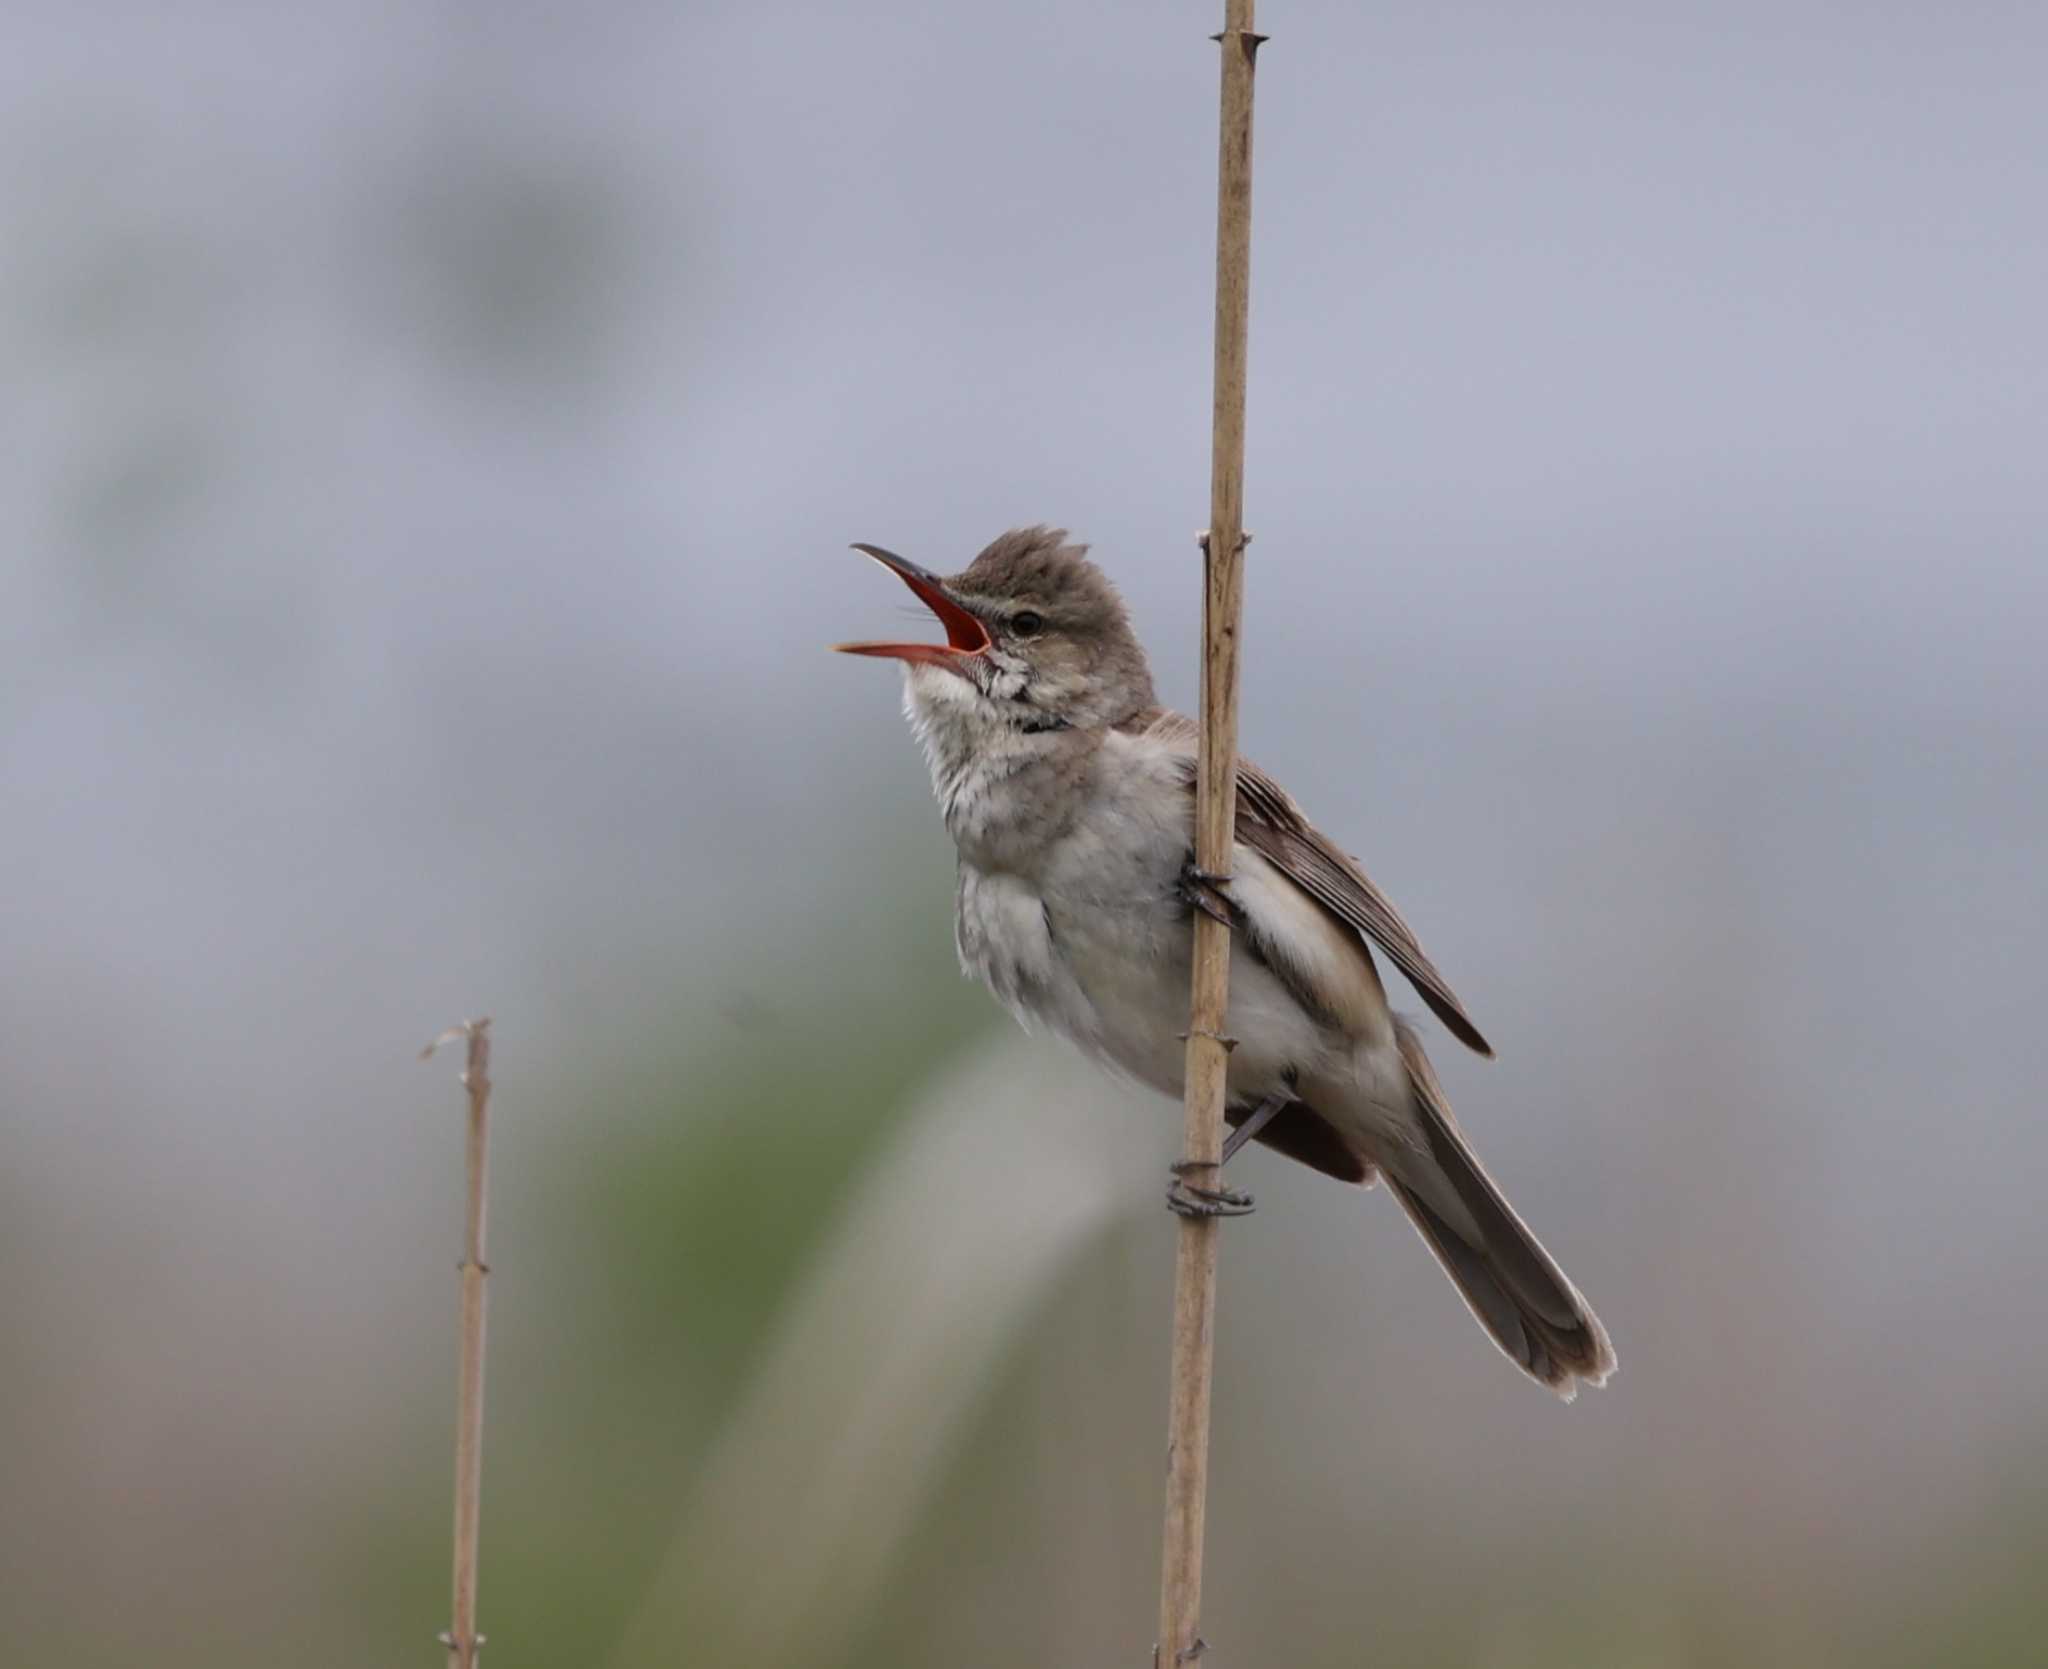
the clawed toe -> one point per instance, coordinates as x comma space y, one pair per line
1208, 893
1191, 1199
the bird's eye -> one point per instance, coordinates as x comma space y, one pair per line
1027, 624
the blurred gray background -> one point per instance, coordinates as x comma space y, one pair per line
430, 440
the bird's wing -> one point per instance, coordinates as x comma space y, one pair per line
1271, 824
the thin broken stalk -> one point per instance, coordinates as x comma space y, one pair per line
461, 1638
1208, 1053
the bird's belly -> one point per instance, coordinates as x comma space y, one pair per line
1133, 967
1004, 934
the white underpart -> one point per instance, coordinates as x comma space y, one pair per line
1076, 923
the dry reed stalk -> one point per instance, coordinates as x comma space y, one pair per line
463, 1641
1208, 1056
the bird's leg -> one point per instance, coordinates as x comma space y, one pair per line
1190, 1199
1201, 890
1210, 894
1261, 1116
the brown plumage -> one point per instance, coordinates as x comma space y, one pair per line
1269, 821
1069, 794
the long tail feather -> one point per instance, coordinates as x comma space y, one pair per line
1512, 1285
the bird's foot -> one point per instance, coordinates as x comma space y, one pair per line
1192, 1199
1210, 894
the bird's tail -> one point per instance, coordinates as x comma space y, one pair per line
1510, 1283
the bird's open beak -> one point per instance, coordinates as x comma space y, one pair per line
965, 635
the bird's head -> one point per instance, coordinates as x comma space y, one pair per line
1036, 638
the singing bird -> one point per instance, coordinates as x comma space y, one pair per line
1069, 793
